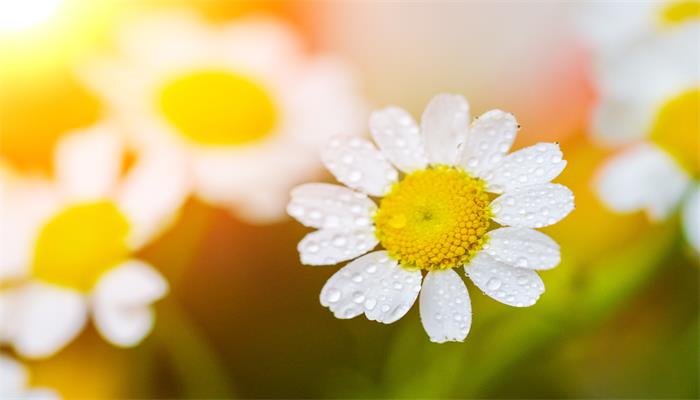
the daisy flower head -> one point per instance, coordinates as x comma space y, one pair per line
650, 103
651, 89
73, 241
14, 379
609, 26
240, 101
433, 217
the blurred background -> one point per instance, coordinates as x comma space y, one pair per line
619, 318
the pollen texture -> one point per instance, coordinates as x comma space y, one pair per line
434, 219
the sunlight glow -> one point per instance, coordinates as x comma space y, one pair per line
22, 14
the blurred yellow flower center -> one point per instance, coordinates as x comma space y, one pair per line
218, 108
677, 129
79, 244
678, 12
434, 219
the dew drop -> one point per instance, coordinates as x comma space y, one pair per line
333, 295
355, 176
493, 284
358, 297
339, 241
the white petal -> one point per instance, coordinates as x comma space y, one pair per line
153, 193
321, 205
13, 376
618, 121
374, 284
45, 318
522, 247
165, 38
533, 206
258, 45
88, 163
666, 62
399, 138
444, 126
530, 166
122, 302
643, 177
516, 287
691, 218
358, 164
330, 246
489, 139
445, 308
25, 205
607, 26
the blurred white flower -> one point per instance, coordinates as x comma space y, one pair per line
14, 380
73, 240
641, 83
241, 101
648, 81
435, 219
610, 25
645, 177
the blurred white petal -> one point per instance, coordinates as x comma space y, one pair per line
152, 194
608, 26
44, 318
13, 376
258, 45
88, 163
122, 302
160, 39
25, 205
643, 177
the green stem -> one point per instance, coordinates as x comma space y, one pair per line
199, 370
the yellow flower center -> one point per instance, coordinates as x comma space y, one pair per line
678, 12
434, 219
218, 108
677, 129
79, 244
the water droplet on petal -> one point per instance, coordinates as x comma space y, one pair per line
333, 295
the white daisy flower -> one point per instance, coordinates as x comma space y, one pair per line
436, 217
240, 100
642, 85
645, 177
650, 100
14, 379
609, 26
73, 245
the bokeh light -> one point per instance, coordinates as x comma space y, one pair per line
17, 15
